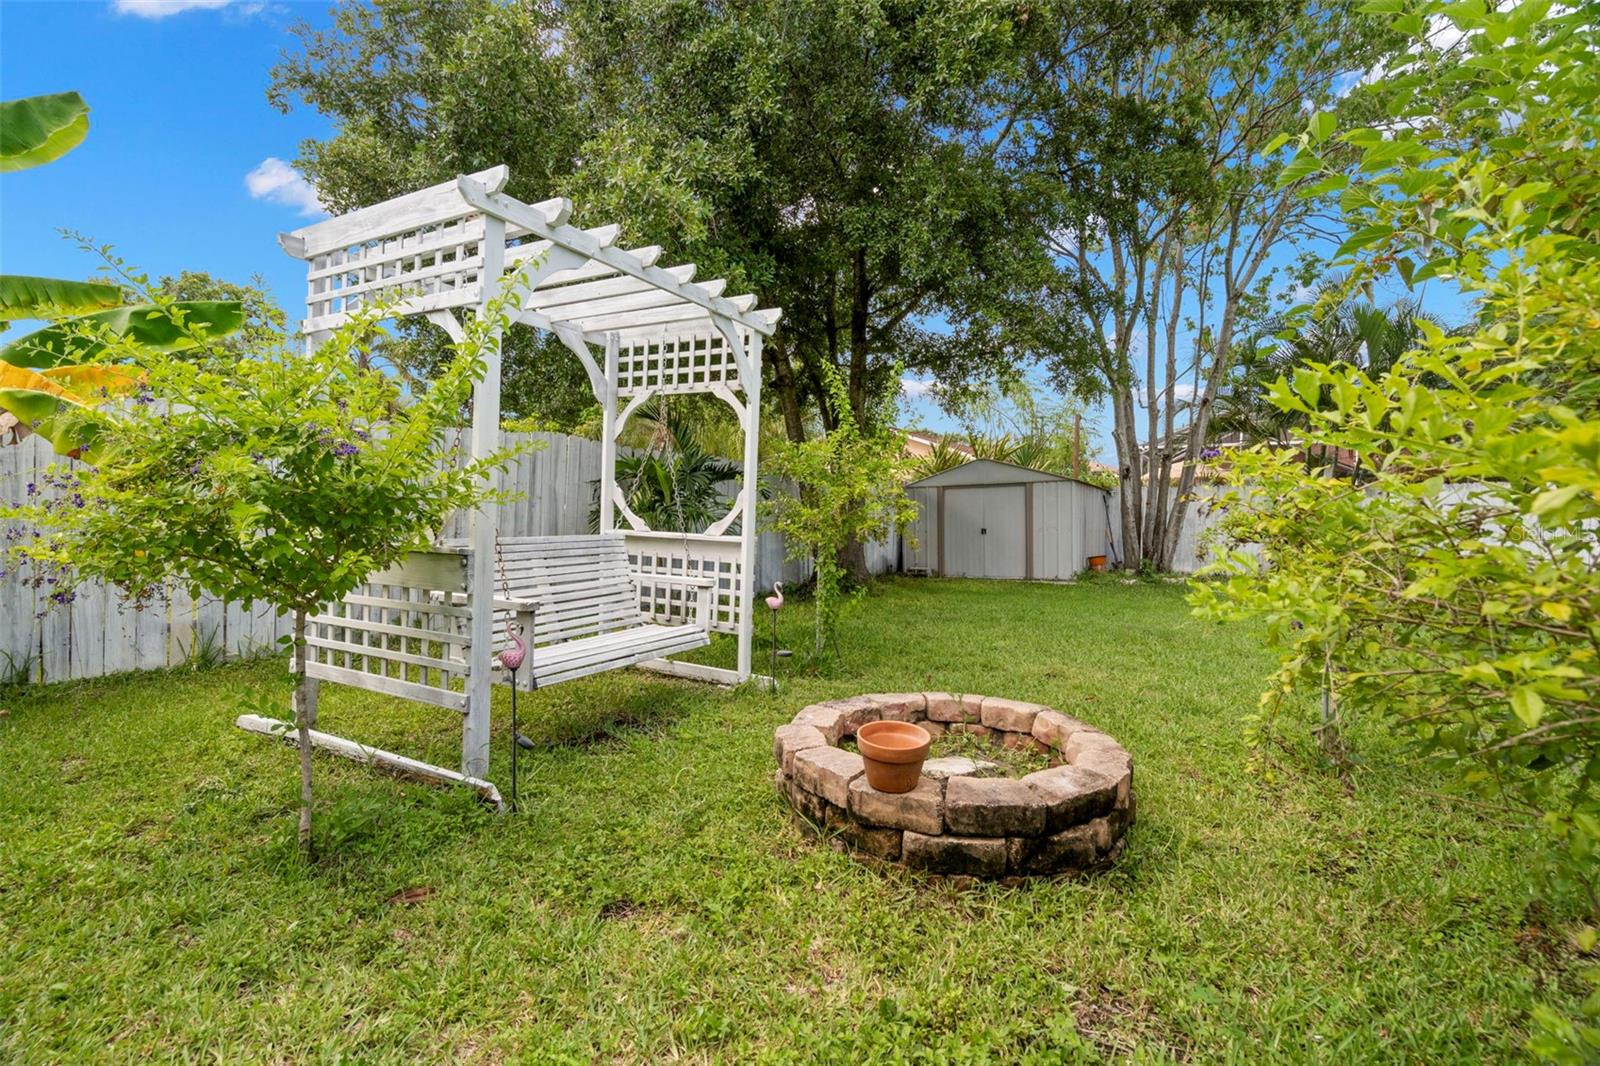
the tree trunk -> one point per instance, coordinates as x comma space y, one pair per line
787, 389
302, 721
852, 560
1126, 435
860, 315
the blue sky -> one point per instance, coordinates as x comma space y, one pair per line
178, 120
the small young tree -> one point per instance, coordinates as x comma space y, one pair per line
850, 491
279, 477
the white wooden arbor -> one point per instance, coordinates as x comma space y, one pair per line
427, 630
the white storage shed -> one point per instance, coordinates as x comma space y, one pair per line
997, 520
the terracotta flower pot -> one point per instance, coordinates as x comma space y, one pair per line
893, 753
1097, 562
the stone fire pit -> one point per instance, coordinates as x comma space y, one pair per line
1068, 818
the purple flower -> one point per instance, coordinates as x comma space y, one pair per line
344, 449
1211, 453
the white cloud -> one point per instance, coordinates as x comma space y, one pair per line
160, 9
1344, 84
915, 388
278, 182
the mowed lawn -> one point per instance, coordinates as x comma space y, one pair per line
654, 903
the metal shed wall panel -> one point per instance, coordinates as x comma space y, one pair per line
1063, 522
1069, 525
922, 546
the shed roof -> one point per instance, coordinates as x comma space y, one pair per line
989, 472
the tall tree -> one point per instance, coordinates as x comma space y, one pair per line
1169, 206
840, 157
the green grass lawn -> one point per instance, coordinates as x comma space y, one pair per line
653, 902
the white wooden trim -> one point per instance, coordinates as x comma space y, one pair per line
750, 371
396, 215
634, 403
621, 500
374, 757
475, 724
447, 321
720, 526
575, 343
716, 675
608, 439
492, 202
391, 686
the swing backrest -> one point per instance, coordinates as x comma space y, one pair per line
581, 586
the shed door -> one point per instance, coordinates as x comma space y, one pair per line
983, 530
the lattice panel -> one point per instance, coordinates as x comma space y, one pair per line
716, 558
688, 363
393, 639
428, 267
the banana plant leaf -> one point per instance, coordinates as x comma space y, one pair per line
40, 129
35, 399
31, 395
75, 340
25, 297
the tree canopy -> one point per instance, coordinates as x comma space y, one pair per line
847, 159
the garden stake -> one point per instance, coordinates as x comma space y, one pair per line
774, 603
511, 658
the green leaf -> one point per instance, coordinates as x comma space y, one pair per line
1304, 163
1554, 499
1331, 183
1322, 126
1273, 145
1308, 385
1528, 706
40, 129
25, 297
1362, 238
143, 324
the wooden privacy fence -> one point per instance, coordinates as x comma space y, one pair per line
100, 633
1191, 552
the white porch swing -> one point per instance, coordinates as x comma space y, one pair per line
427, 629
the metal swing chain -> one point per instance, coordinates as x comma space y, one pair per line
677, 500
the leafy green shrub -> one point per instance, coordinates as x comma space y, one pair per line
1456, 594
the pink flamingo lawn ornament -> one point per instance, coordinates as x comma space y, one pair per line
512, 658
775, 604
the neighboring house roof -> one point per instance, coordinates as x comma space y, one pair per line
1179, 441
927, 438
990, 471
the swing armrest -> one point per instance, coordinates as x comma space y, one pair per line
461, 599
519, 606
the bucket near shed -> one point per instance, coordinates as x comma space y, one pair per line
1097, 562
